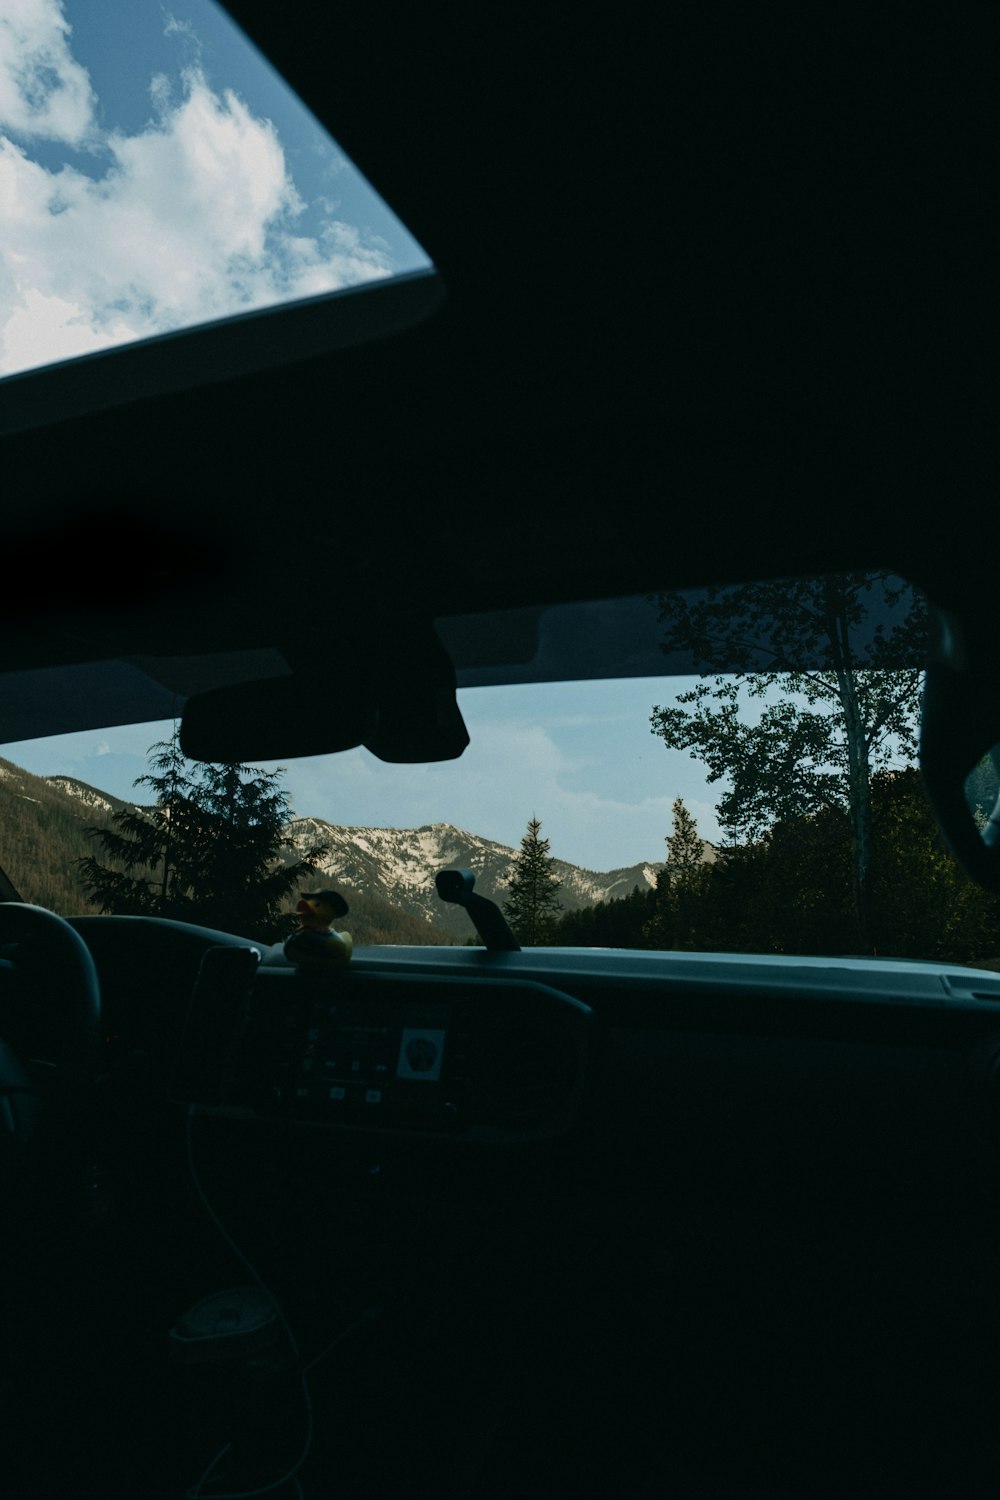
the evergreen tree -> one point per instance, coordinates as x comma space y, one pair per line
925, 905
531, 906
680, 887
150, 848
212, 849
685, 849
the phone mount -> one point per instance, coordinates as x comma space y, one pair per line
457, 887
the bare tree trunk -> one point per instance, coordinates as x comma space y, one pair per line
858, 767
859, 791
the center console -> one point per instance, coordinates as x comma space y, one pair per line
481, 1060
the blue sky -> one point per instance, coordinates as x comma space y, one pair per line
155, 172
580, 756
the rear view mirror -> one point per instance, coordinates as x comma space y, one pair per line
278, 719
395, 695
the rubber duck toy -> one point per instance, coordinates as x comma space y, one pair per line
314, 945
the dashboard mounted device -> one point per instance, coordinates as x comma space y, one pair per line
458, 888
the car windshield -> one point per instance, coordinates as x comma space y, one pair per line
763, 797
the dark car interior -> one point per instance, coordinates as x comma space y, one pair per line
706, 306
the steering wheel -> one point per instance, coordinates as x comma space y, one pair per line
50, 1020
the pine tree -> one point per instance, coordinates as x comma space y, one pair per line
150, 848
531, 906
685, 850
211, 850
680, 886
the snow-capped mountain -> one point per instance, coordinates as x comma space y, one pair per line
399, 864
88, 795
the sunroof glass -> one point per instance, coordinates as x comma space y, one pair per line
157, 173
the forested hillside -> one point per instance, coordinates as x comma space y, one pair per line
42, 835
790, 892
43, 823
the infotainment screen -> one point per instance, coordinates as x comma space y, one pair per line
371, 1060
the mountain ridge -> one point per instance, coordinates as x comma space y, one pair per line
400, 864
381, 870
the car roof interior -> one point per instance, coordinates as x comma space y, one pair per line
640, 361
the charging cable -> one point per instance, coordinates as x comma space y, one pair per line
197, 1492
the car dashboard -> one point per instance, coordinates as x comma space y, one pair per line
464, 1043
615, 1214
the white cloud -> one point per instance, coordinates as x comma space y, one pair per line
44, 92
173, 27
193, 219
50, 328
102, 748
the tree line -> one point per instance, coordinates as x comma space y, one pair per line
791, 891
807, 711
